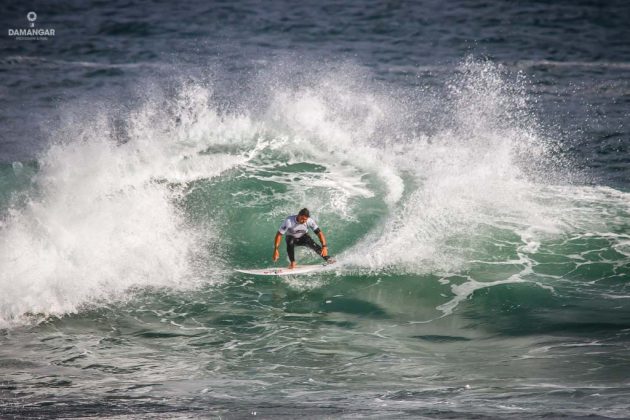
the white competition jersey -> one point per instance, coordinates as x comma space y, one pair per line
291, 227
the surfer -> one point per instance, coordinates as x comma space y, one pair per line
296, 228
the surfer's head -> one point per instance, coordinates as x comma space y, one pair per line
303, 215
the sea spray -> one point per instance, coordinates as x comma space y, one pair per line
104, 215
175, 189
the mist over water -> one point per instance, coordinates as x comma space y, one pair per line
482, 260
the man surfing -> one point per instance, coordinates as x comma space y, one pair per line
296, 228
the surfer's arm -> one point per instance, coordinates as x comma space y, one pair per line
322, 240
276, 245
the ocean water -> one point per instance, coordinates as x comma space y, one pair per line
467, 161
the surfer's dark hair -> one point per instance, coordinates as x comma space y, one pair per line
304, 212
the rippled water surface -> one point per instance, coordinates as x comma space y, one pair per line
468, 163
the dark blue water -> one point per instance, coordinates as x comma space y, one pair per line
575, 53
468, 161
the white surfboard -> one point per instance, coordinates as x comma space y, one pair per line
284, 271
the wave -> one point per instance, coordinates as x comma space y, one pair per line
407, 181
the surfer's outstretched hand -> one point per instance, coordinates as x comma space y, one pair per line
276, 255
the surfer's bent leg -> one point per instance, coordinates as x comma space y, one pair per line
290, 240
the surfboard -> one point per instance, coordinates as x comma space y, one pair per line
284, 271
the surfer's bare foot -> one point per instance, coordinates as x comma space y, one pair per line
292, 265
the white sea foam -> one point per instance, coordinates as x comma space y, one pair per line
105, 214
469, 173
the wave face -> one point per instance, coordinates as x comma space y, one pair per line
477, 272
